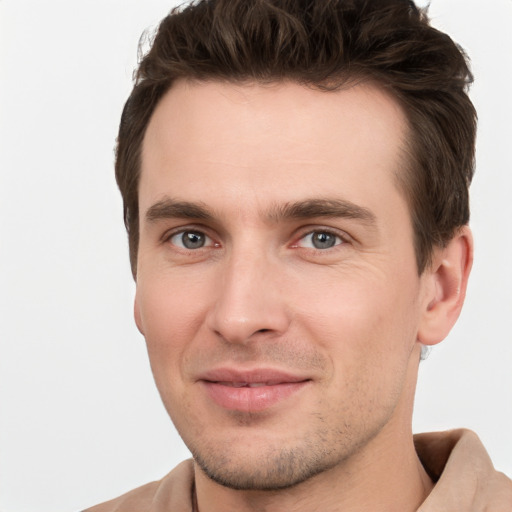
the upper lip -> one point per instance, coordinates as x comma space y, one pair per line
268, 376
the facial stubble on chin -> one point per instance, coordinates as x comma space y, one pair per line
283, 468
279, 468
276, 467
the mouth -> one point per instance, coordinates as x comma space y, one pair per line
253, 391
248, 384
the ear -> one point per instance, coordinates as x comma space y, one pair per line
137, 316
445, 286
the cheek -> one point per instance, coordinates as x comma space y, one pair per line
366, 326
355, 310
170, 316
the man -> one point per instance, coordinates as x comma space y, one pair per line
295, 182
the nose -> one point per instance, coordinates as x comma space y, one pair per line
250, 300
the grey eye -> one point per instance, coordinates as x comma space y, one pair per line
320, 240
189, 239
323, 240
193, 240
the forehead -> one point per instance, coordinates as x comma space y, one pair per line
276, 142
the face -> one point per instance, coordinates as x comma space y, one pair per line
277, 286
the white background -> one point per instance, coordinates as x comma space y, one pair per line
80, 419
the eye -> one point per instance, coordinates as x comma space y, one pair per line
320, 240
191, 240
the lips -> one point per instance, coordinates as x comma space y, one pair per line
251, 391
249, 384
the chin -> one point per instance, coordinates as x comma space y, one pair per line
270, 471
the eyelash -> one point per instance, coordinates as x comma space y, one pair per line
167, 238
340, 239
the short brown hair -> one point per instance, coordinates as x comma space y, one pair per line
323, 44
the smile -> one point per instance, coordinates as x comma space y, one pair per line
248, 384
254, 391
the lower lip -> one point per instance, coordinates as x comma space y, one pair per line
251, 399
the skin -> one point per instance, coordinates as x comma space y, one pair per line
222, 163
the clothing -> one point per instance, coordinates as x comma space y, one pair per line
456, 460
171, 494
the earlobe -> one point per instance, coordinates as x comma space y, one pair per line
445, 284
137, 316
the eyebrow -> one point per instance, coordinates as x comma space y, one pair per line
311, 208
169, 208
